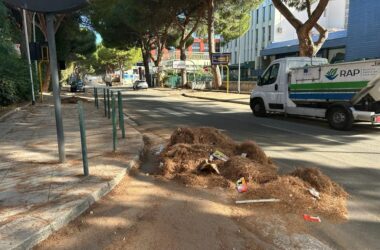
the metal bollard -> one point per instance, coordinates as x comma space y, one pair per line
83, 138
114, 129
121, 114
108, 104
105, 102
97, 98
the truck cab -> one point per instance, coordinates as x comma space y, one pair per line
271, 93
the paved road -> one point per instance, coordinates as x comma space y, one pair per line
350, 158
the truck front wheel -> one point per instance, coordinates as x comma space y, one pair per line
340, 117
258, 107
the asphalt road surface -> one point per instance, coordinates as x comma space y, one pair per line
349, 158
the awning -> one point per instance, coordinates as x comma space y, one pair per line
335, 40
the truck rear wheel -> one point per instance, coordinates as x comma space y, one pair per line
258, 107
340, 117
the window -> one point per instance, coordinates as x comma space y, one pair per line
270, 11
270, 76
264, 13
206, 47
270, 33
263, 35
257, 16
257, 36
196, 47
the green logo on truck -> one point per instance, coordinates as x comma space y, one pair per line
332, 74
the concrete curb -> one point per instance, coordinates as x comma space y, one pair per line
13, 111
81, 205
215, 99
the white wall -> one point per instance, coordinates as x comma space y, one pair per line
332, 19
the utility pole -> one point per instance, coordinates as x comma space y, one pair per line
28, 56
55, 81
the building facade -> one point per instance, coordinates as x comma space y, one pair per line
363, 33
268, 26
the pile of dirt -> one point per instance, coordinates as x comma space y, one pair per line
72, 100
188, 153
296, 198
319, 181
238, 167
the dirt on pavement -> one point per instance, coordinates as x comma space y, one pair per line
148, 211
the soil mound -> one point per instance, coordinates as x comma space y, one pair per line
296, 198
238, 167
203, 135
187, 159
253, 151
319, 181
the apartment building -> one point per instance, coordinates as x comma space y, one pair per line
268, 26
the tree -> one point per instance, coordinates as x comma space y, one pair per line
307, 46
144, 24
112, 59
230, 18
188, 16
14, 75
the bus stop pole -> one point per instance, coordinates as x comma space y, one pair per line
55, 81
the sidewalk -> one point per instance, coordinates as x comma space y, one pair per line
219, 96
37, 194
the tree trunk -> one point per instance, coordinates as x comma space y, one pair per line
46, 83
217, 81
183, 57
306, 45
146, 60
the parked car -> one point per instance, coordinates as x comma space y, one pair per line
76, 84
140, 84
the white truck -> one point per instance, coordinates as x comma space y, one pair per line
341, 93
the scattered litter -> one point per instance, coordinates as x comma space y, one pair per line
147, 174
211, 158
257, 201
219, 155
160, 149
244, 155
91, 212
314, 193
241, 185
311, 218
208, 167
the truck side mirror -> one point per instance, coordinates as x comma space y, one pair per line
259, 81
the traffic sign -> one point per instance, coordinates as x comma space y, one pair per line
221, 58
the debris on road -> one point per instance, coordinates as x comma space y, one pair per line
314, 193
219, 155
241, 185
196, 157
208, 167
311, 218
257, 201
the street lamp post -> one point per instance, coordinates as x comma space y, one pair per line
28, 56
239, 69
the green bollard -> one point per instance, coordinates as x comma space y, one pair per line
108, 104
83, 139
97, 98
105, 102
121, 114
114, 129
